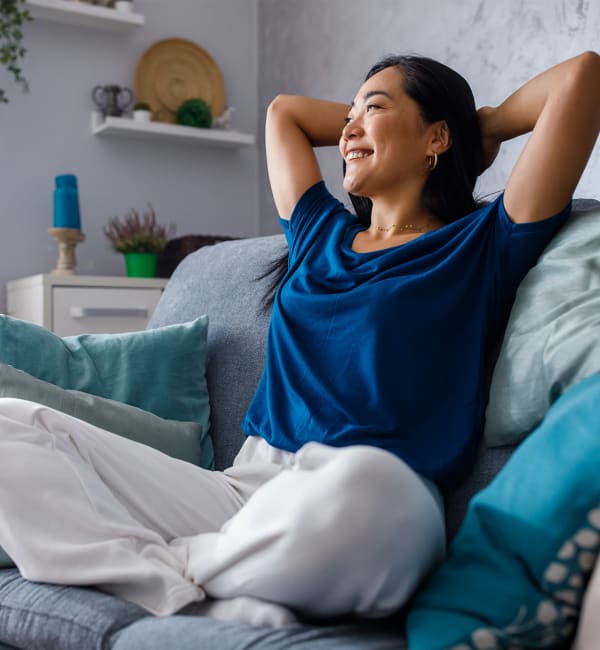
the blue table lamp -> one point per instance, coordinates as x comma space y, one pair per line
67, 224
66, 202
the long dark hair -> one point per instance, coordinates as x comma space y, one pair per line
441, 94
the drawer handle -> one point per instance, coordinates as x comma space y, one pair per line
108, 312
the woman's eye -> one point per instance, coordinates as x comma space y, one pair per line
370, 107
347, 120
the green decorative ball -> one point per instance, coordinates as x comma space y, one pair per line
194, 112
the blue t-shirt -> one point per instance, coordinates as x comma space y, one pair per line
388, 348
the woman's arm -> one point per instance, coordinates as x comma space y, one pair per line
294, 126
562, 108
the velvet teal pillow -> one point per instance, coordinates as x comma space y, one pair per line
159, 370
517, 570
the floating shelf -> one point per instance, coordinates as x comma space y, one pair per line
126, 126
84, 15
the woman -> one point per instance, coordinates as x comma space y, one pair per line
372, 396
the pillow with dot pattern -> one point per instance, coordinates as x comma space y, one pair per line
516, 572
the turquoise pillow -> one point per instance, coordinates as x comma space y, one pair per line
517, 570
159, 370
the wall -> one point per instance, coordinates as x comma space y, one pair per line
47, 132
324, 48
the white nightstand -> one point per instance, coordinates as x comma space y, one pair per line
84, 304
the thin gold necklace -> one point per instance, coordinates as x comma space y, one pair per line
402, 227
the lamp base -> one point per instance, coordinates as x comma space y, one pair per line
67, 239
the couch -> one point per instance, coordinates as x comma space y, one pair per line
224, 281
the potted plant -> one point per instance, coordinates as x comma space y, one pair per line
140, 239
194, 112
142, 112
13, 15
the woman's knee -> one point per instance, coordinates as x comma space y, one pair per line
367, 494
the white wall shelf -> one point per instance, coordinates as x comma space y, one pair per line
125, 126
84, 15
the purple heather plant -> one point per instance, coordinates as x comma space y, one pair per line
135, 234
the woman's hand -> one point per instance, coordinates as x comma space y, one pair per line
490, 142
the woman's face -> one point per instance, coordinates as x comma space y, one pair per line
385, 141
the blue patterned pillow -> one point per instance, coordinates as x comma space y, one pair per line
517, 570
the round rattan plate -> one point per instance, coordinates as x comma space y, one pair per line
173, 70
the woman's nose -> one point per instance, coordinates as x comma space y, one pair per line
351, 129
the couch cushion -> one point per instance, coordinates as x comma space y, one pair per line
49, 617
193, 633
223, 282
52, 617
488, 463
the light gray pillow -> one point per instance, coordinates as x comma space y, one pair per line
185, 440
552, 340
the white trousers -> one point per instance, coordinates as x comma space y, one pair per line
325, 531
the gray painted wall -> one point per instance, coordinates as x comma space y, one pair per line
47, 132
318, 47
324, 47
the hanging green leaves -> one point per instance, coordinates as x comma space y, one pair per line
13, 15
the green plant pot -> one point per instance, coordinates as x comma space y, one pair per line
140, 265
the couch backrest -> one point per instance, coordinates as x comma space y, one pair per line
222, 282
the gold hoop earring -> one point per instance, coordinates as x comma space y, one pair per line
432, 161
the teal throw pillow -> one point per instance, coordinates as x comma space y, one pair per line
159, 370
517, 570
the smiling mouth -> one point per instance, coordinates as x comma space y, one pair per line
357, 155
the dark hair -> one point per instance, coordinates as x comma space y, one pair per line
441, 94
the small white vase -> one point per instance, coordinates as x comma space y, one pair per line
124, 5
142, 116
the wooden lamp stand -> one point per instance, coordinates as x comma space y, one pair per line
67, 239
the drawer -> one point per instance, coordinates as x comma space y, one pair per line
101, 310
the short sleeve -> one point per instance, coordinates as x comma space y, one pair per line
310, 217
525, 242
517, 247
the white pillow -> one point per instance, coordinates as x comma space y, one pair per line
552, 340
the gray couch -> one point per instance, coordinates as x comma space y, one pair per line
220, 281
